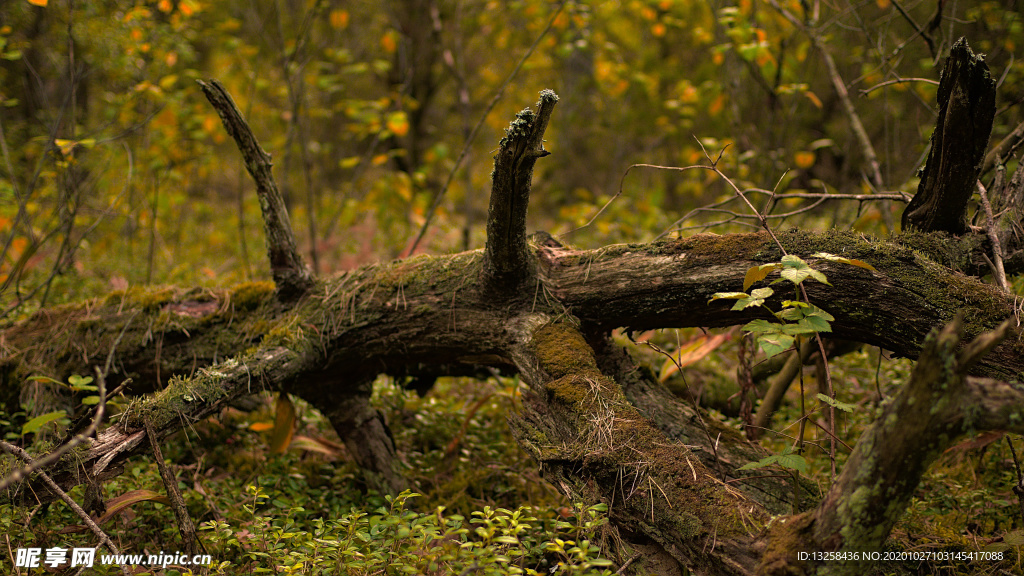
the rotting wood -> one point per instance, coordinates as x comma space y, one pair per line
966, 99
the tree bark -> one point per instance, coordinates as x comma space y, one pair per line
967, 106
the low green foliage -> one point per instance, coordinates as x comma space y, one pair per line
395, 540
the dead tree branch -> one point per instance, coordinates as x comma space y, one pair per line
286, 264
506, 263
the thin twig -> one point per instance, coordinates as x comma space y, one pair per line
626, 564
920, 31
691, 398
866, 91
185, 524
1019, 488
997, 248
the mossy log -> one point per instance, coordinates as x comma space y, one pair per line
601, 429
403, 317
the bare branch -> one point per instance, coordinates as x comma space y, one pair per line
286, 264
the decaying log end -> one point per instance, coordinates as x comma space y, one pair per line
966, 99
506, 265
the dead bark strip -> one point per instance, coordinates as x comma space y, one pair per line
967, 107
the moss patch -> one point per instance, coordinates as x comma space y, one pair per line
562, 351
786, 537
250, 295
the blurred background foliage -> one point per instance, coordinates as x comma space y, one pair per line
115, 171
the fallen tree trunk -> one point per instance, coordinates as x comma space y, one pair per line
601, 429
395, 318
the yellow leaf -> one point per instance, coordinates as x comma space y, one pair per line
339, 19
804, 160
813, 98
261, 426
168, 81
38, 2
379, 159
66, 146
758, 273
388, 42
717, 105
284, 425
350, 162
689, 94
209, 124
118, 503
165, 6
861, 264
658, 29
398, 123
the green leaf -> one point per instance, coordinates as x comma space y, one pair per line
796, 270
756, 299
759, 464
761, 326
81, 383
836, 403
799, 329
809, 319
792, 314
758, 273
815, 323
727, 296
40, 421
792, 462
850, 261
786, 459
1015, 538
744, 300
775, 344
90, 400
813, 310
